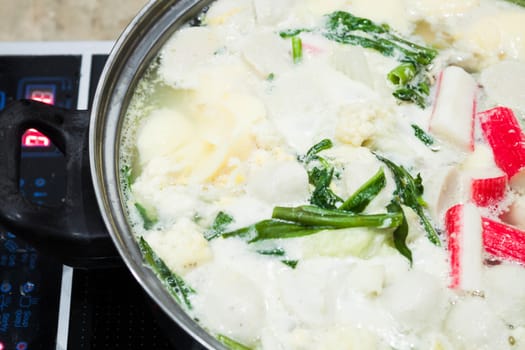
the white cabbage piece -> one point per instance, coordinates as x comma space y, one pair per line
267, 53
504, 40
189, 51
184, 238
504, 291
280, 183
304, 102
228, 303
472, 325
237, 15
268, 12
503, 83
416, 301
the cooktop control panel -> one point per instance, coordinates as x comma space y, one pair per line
31, 283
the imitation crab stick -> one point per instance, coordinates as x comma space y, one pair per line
463, 227
503, 241
504, 135
489, 190
454, 108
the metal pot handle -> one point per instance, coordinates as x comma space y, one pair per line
74, 232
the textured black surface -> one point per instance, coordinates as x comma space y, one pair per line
111, 311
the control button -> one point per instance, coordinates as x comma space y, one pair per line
2, 103
21, 345
40, 182
28, 287
11, 246
5, 287
40, 194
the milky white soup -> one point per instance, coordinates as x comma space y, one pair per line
314, 174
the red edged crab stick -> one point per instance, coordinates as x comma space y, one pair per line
504, 135
465, 246
503, 241
488, 190
454, 108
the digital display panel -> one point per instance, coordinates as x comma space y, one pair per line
41, 92
34, 138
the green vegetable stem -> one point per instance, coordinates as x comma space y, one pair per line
409, 192
358, 201
173, 282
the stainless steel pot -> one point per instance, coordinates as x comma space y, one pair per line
75, 231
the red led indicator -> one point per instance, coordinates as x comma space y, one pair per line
43, 96
34, 138
2, 346
41, 92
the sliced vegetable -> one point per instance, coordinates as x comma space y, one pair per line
222, 220
358, 201
409, 192
321, 176
401, 233
290, 263
313, 152
313, 216
148, 219
504, 135
465, 246
454, 108
297, 49
410, 78
308, 220
503, 241
231, 344
173, 282
422, 135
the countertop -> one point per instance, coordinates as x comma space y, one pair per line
57, 20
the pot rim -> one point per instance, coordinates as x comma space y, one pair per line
132, 53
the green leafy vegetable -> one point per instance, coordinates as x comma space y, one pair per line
402, 74
401, 233
232, 344
322, 195
222, 220
174, 283
313, 216
321, 176
313, 152
297, 49
307, 220
126, 174
290, 263
270, 77
409, 192
273, 252
148, 220
422, 135
285, 34
358, 201
410, 78
517, 2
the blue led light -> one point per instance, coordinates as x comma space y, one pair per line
5, 287
2, 100
28, 287
40, 182
22, 345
